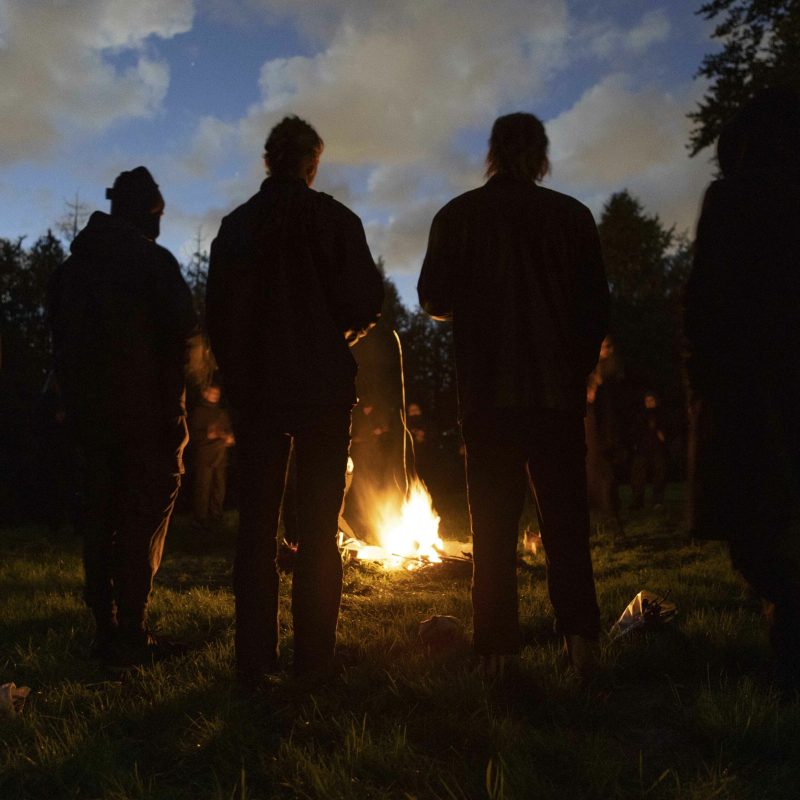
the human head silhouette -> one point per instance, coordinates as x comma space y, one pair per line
518, 146
293, 149
135, 197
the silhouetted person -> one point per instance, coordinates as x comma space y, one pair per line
291, 282
421, 434
518, 269
377, 434
649, 443
211, 436
122, 318
743, 327
604, 442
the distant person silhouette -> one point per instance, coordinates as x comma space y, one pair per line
211, 436
122, 319
518, 270
291, 283
604, 442
649, 441
743, 330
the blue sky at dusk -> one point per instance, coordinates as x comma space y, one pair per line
404, 94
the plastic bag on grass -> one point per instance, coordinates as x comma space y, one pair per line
646, 611
12, 698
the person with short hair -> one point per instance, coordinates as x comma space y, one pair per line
123, 324
518, 270
291, 284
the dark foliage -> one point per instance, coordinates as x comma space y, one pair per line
24, 275
24, 363
761, 48
646, 265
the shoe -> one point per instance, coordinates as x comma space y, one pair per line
583, 654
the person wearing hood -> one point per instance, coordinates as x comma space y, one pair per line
743, 334
122, 321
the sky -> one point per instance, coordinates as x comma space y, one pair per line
404, 93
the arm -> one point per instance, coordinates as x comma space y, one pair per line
593, 301
178, 331
357, 295
434, 287
230, 295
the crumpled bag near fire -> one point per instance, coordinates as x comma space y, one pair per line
646, 611
440, 630
12, 698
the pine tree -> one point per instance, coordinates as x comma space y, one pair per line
761, 48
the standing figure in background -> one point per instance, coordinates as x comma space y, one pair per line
291, 283
649, 442
743, 331
519, 271
604, 447
122, 321
422, 440
211, 436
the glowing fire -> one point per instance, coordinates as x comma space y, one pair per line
408, 534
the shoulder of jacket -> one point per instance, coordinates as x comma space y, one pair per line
330, 205
165, 256
460, 203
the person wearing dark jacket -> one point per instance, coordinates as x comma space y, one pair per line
743, 330
122, 320
518, 270
649, 442
291, 284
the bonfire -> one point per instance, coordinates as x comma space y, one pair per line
407, 532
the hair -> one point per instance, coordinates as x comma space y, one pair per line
763, 135
518, 147
289, 143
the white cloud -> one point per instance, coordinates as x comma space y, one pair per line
654, 27
393, 85
608, 39
616, 136
56, 73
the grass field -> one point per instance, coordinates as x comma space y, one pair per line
686, 712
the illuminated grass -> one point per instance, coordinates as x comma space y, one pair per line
688, 712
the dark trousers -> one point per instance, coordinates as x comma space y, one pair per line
547, 449
648, 464
128, 501
321, 439
772, 568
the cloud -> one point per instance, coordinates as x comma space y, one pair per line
616, 136
393, 85
390, 87
59, 71
609, 39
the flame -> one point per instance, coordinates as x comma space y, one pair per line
408, 534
